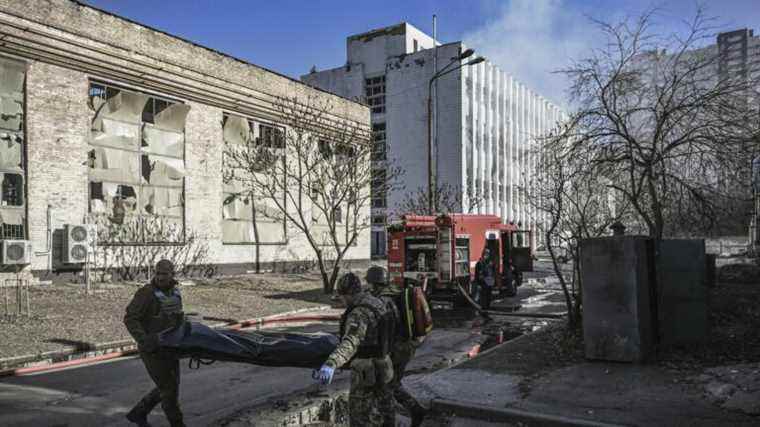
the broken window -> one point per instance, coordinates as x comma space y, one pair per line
10, 151
324, 149
271, 137
250, 147
13, 189
136, 165
12, 76
344, 152
12, 204
374, 90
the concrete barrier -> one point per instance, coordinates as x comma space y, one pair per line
681, 292
618, 314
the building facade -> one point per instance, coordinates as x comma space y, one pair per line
106, 121
483, 123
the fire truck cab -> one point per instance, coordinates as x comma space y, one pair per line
446, 248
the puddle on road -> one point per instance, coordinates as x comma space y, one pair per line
544, 283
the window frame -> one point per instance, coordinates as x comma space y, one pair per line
256, 141
374, 92
18, 231
141, 150
379, 145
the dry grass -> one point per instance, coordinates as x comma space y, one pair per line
63, 316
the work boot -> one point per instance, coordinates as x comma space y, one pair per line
138, 417
418, 416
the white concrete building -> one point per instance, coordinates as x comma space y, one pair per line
484, 121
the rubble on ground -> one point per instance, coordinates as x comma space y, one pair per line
739, 273
733, 387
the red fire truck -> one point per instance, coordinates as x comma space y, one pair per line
446, 248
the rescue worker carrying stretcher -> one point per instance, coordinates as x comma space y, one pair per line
156, 307
403, 347
366, 338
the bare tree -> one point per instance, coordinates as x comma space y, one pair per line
674, 136
313, 175
448, 199
130, 250
576, 204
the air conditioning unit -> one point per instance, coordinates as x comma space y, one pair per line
79, 240
17, 252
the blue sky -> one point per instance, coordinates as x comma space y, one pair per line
527, 38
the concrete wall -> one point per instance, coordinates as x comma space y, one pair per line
91, 45
618, 310
347, 81
58, 126
371, 49
407, 121
682, 292
424, 41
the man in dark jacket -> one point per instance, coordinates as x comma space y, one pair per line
485, 276
156, 307
403, 349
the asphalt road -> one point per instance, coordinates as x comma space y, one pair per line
100, 394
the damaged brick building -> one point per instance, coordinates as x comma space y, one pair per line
106, 121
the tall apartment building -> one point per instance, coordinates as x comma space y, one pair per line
739, 56
484, 122
739, 52
106, 121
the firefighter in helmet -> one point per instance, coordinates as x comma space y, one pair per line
403, 349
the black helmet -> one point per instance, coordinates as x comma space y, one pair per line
377, 275
349, 284
165, 265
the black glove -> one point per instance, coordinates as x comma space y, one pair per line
150, 343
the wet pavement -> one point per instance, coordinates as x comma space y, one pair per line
100, 394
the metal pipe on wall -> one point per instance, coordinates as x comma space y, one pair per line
49, 241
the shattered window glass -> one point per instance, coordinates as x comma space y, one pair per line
136, 165
11, 149
12, 205
325, 150
13, 190
271, 137
251, 147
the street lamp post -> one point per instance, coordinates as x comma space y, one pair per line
432, 200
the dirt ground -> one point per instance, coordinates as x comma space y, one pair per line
724, 370
64, 316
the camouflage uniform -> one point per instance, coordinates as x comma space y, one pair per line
370, 400
401, 354
151, 311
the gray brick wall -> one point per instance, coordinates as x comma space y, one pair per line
57, 130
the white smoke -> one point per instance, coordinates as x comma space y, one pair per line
531, 39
